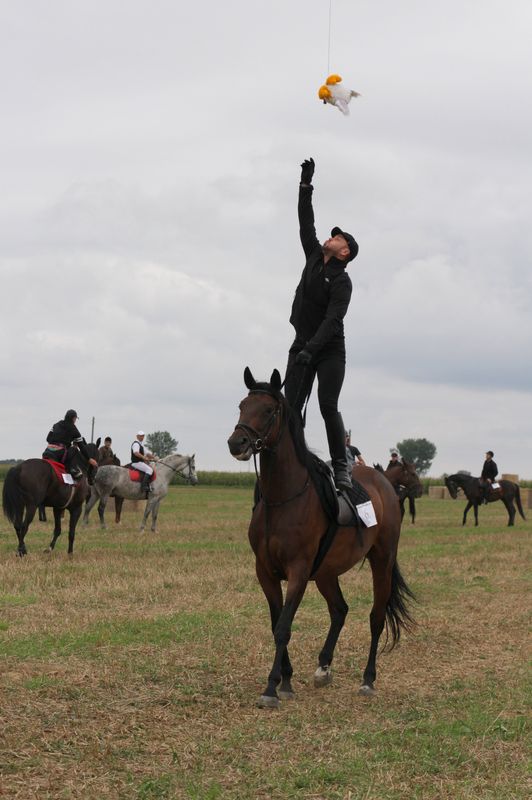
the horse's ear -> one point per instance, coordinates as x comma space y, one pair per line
275, 381
249, 380
98, 441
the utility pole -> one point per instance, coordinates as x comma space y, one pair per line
92, 431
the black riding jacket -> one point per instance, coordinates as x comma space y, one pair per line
489, 470
324, 291
66, 433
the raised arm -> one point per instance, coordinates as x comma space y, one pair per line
307, 231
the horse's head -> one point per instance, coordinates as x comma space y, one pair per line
452, 486
410, 478
259, 425
93, 452
189, 472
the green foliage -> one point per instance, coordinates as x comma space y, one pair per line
161, 443
420, 452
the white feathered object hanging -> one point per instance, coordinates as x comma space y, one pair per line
335, 94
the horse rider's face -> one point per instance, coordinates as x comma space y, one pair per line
336, 246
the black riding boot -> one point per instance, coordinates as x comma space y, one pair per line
334, 426
71, 466
145, 487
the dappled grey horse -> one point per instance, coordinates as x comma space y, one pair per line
115, 481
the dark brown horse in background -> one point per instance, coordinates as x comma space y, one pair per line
405, 481
471, 487
287, 526
33, 483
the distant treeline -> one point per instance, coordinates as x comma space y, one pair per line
214, 478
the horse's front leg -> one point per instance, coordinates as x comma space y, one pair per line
330, 589
154, 515
89, 505
297, 584
58, 513
475, 511
466, 509
101, 511
75, 514
147, 511
274, 595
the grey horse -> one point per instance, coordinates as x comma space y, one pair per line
115, 481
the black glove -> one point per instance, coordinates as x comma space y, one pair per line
304, 358
307, 171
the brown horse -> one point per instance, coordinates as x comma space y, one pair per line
287, 526
34, 483
405, 481
507, 492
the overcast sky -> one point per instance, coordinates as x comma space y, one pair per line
149, 157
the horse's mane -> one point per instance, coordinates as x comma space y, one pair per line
460, 477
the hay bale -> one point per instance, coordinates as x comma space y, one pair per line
507, 476
526, 497
437, 492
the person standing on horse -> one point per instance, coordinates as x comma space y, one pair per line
488, 475
140, 459
64, 441
320, 304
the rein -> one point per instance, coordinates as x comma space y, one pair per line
174, 469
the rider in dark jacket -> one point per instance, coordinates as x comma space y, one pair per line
488, 475
320, 304
65, 440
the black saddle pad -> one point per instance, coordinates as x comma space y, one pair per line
321, 477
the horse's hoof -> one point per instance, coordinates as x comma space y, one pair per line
323, 677
265, 701
47, 550
285, 695
366, 690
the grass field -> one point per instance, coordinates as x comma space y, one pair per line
132, 669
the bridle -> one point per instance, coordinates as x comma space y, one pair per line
260, 445
257, 440
182, 469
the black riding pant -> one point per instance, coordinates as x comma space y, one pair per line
329, 367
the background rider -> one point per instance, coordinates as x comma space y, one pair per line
140, 459
488, 475
64, 441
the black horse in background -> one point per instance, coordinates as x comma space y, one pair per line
507, 491
33, 483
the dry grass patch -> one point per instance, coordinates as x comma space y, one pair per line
131, 670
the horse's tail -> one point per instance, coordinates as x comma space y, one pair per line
397, 614
518, 500
412, 507
14, 497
